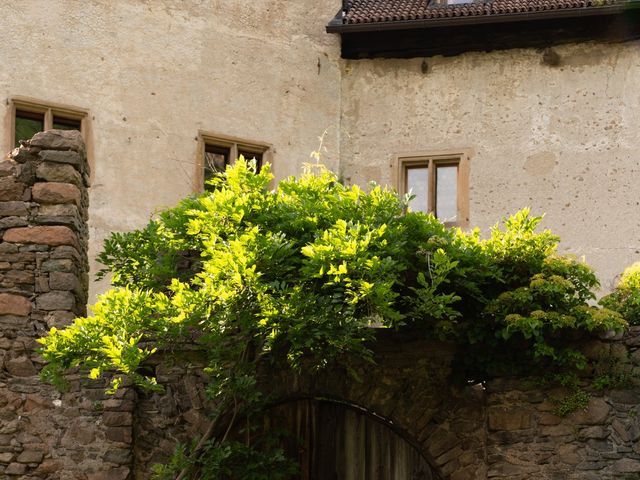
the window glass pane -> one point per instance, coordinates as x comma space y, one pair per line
418, 187
251, 156
66, 123
447, 193
27, 125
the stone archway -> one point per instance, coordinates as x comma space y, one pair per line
410, 387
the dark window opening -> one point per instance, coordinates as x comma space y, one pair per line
216, 159
257, 156
27, 125
60, 123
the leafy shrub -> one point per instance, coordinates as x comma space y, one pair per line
625, 299
300, 274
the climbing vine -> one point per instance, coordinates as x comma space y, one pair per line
298, 276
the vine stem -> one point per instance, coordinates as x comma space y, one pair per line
208, 434
214, 425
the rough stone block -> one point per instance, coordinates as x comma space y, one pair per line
48, 467
594, 432
601, 445
79, 434
621, 429
547, 418
42, 284
19, 277
30, 456
121, 473
442, 441
12, 222
53, 235
117, 419
26, 173
21, 367
65, 252
59, 210
23, 155
11, 189
8, 248
61, 265
16, 469
555, 430
627, 465
11, 304
63, 281
58, 140
569, 454
55, 192
72, 222
501, 418
596, 413
6, 457
118, 456
72, 158
8, 168
13, 209
119, 434
59, 318
508, 470
56, 301
627, 397
57, 172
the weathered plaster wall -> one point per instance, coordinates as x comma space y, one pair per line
563, 140
560, 139
152, 73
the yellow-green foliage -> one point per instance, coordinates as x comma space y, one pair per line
301, 272
312, 265
625, 299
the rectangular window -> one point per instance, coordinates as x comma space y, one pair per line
437, 184
30, 117
219, 151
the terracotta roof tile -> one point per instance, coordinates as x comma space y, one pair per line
376, 11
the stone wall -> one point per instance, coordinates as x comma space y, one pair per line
525, 439
79, 434
505, 429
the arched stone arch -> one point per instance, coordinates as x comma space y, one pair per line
410, 387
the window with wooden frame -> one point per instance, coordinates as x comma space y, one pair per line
29, 117
438, 184
216, 152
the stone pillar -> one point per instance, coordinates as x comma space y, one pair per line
79, 434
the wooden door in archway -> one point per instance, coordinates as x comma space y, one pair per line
334, 441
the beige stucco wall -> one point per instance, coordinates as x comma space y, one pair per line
564, 140
153, 73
